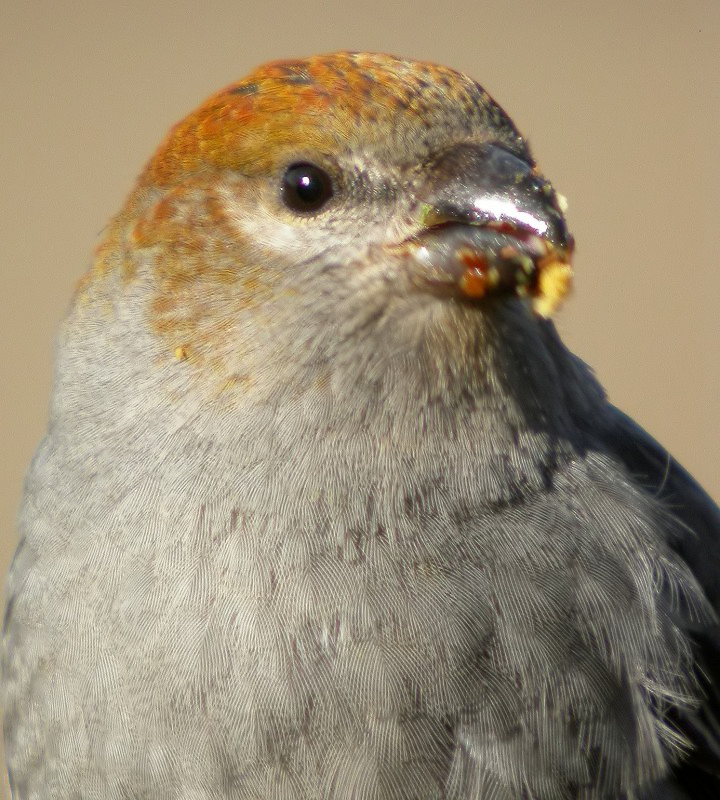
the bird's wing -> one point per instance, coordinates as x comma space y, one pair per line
698, 543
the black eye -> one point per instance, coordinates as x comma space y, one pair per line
306, 187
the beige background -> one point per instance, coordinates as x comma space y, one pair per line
620, 99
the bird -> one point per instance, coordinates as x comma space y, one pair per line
325, 507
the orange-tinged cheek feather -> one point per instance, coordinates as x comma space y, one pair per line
199, 278
204, 276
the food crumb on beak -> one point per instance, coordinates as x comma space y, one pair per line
554, 284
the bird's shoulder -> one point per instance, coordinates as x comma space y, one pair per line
696, 539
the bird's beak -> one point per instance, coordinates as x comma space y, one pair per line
490, 224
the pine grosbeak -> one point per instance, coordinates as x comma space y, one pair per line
325, 508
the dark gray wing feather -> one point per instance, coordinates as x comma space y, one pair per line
698, 543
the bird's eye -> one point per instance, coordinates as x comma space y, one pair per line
306, 187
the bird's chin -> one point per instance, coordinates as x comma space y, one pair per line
476, 263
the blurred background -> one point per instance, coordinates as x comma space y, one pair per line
620, 101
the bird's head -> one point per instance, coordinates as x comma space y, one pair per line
324, 207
